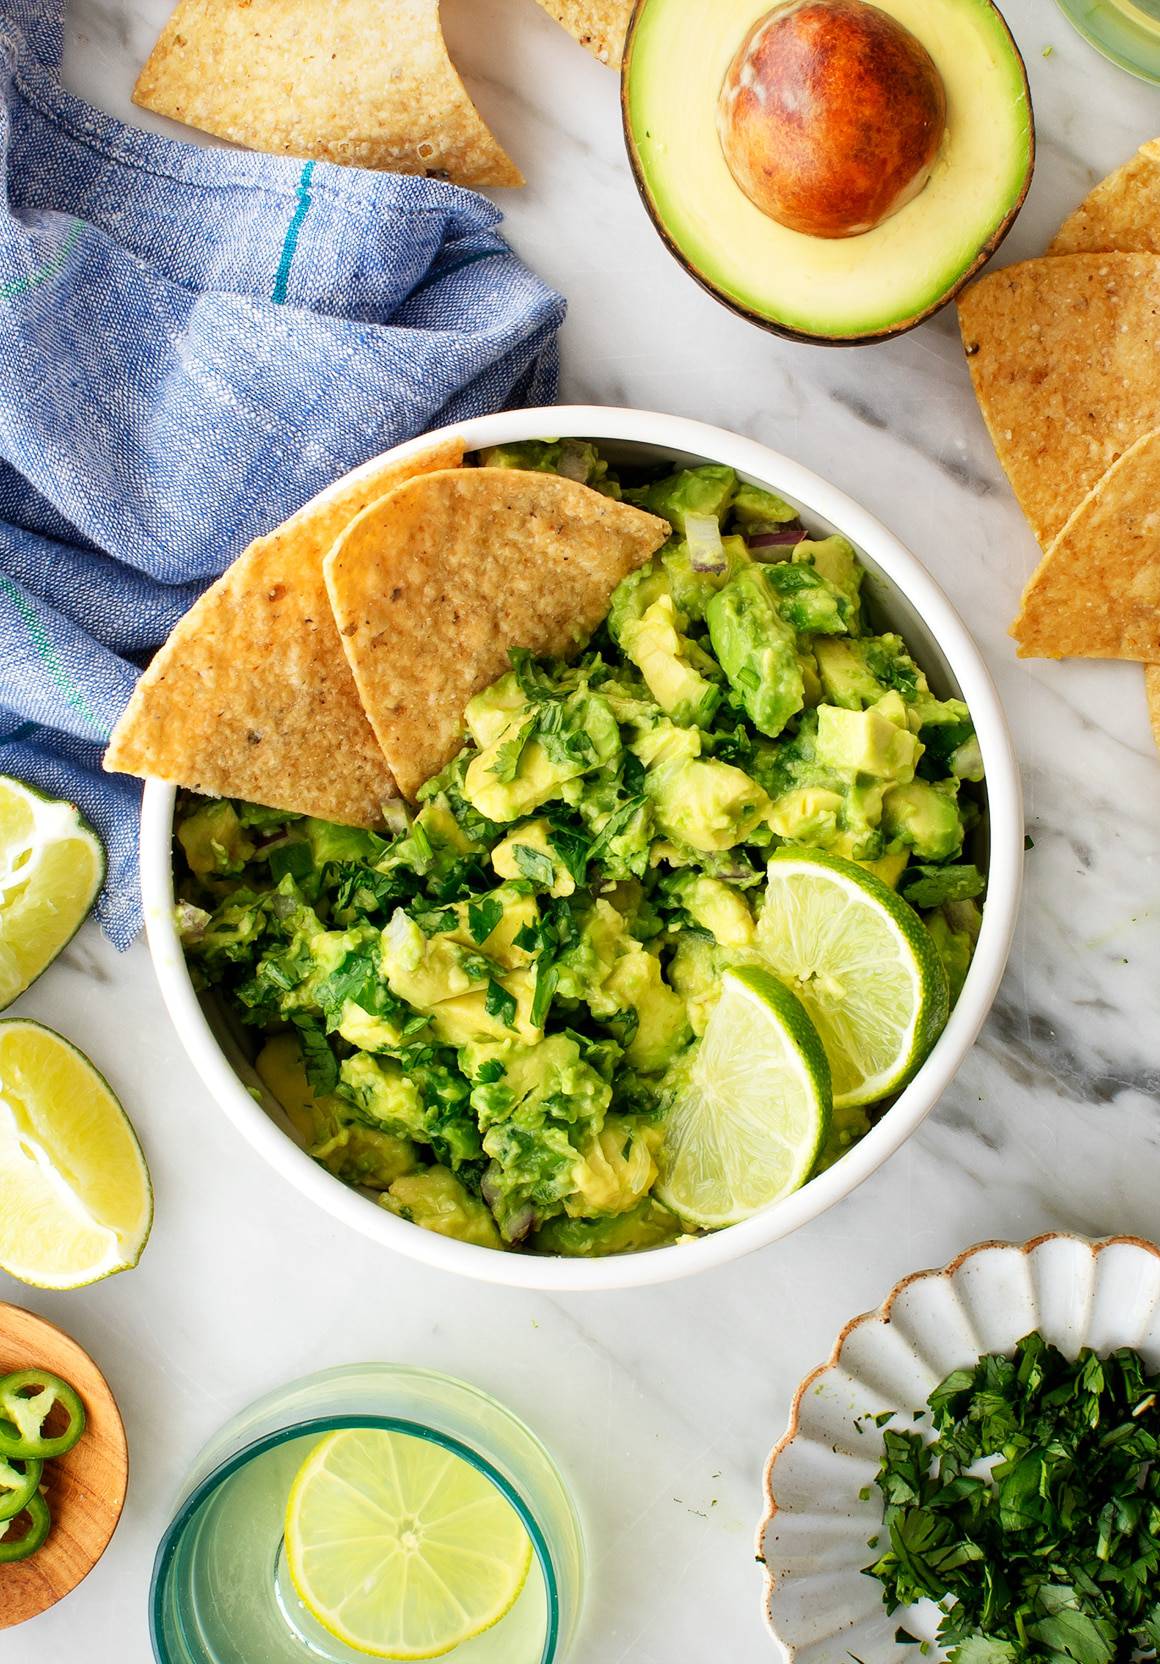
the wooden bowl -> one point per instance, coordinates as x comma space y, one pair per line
85, 1489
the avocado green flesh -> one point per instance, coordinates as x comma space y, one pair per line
483, 1020
843, 289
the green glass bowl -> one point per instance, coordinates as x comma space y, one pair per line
220, 1594
1126, 31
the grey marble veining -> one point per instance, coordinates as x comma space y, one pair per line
661, 1405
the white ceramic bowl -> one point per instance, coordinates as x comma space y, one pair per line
814, 1538
905, 595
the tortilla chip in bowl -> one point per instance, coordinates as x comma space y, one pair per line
904, 599
252, 695
460, 567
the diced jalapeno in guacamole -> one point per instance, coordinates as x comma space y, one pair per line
478, 1020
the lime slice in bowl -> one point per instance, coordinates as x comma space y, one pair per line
51, 867
750, 1114
862, 963
75, 1199
401, 1548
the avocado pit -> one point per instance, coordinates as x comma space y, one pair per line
831, 116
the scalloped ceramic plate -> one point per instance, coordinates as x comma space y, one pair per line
813, 1539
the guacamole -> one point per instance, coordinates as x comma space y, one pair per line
480, 1016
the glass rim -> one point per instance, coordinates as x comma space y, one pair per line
321, 1425
1116, 45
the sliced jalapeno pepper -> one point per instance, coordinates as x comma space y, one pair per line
35, 1511
19, 1480
27, 1399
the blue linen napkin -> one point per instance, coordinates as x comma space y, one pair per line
192, 343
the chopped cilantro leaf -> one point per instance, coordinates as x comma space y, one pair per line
482, 918
319, 1061
535, 865
507, 756
1051, 1553
499, 1003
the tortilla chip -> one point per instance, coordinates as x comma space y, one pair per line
1122, 214
1152, 690
1096, 593
433, 584
361, 81
600, 25
252, 695
1065, 358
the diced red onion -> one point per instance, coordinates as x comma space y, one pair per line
574, 461
703, 536
778, 540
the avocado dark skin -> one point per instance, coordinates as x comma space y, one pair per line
831, 116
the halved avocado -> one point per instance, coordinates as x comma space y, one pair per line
834, 291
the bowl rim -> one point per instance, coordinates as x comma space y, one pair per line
683, 1259
882, 1314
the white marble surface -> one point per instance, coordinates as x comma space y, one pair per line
661, 1405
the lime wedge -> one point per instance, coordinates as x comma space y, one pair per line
862, 963
399, 1547
751, 1112
51, 867
75, 1201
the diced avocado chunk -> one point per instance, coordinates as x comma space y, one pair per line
384, 1094
889, 868
491, 711
811, 682
758, 510
673, 667
807, 815
280, 1068
858, 672
757, 650
806, 601
927, 886
866, 742
845, 678
619, 979
527, 765
507, 910
836, 561
648, 1225
329, 842
636, 986
587, 962
427, 1101
706, 490
527, 853
859, 837
439, 1201
925, 818
366, 1156
466, 988
634, 595
616, 1169
692, 590
575, 459
703, 802
717, 907
536, 1115
695, 972
426, 969
369, 1032
213, 840
955, 949
967, 760
502, 1009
